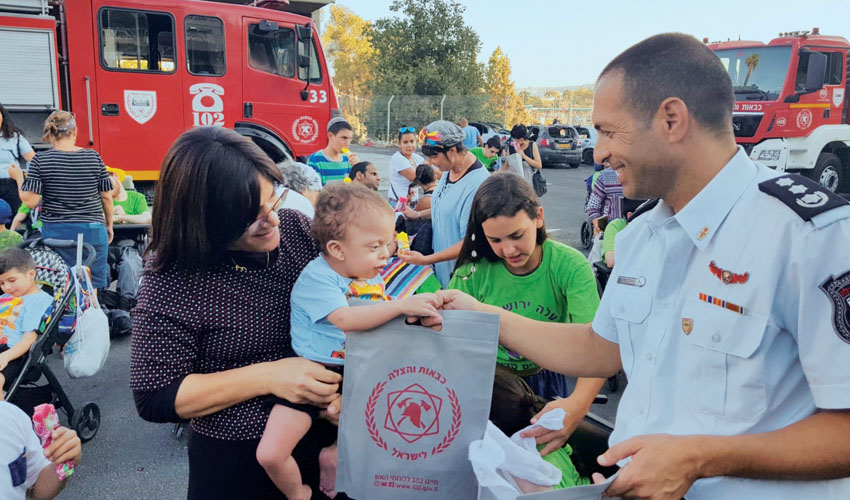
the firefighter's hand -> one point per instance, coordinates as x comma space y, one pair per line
663, 467
15, 173
575, 411
457, 300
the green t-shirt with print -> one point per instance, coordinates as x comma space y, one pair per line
135, 204
479, 153
611, 230
562, 290
9, 239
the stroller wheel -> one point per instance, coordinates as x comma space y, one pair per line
586, 235
86, 421
613, 383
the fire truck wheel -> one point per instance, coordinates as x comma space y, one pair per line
828, 172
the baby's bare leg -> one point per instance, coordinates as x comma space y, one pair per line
2, 383
285, 427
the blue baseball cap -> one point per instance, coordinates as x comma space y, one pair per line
5, 212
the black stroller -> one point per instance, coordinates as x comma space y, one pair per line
36, 382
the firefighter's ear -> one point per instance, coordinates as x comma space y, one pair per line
672, 119
334, 249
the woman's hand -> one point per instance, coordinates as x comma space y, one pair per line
575, 409
15, 173
66, 446
110, 233
414, 257
300, 381
331, 413
409, 213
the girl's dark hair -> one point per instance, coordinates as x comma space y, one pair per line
424, 175
207, 195
8, 129
519, 132
503, 194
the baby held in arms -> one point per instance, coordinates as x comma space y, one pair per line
353, 228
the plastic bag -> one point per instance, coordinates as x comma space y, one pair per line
88, 347
413, 400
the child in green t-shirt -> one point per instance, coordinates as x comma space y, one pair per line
506, 260
8, 238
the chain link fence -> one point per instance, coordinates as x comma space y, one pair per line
378, 118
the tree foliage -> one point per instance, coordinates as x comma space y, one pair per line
501, 91
426, 50
347, 46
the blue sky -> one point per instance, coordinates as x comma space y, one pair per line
557, 42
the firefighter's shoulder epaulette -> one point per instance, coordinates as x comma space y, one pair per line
804, 196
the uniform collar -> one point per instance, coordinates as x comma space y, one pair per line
703, 215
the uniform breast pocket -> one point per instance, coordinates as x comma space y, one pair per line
726, 373
629, 308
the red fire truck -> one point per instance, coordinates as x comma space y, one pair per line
137, 73
791, 107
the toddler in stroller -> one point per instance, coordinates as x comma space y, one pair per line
54, 327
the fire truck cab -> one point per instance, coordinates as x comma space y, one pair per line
791, 103
137, 73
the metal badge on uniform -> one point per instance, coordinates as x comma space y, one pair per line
687, 325
726, 276
837, 289
630, 281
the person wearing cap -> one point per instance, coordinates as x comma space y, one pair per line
333, 163
7, 238
129, 207
442, 143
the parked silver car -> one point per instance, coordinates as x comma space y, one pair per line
558, 144
488, 130
588, 136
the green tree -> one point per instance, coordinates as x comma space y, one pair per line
426, 50
500, 89
352, 56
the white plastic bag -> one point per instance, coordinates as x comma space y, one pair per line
88, 347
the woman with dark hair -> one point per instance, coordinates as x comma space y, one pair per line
521, 143
14, 147
403, 164
211, 331
507, 261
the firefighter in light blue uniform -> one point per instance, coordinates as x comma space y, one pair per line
732, 317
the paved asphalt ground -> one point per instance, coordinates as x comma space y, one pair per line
133, 459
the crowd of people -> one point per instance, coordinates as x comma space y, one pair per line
243, 311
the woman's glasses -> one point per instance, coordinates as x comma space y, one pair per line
260, 222
407, 130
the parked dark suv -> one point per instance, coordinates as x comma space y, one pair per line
558, 144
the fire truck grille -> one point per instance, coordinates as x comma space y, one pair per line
746, 126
